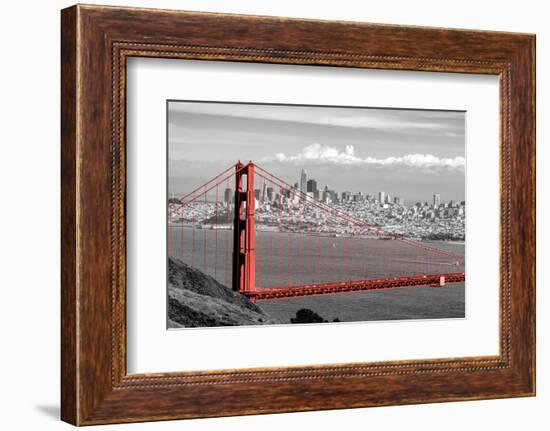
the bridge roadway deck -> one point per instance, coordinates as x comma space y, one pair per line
353, 286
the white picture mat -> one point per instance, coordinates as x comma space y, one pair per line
153, 348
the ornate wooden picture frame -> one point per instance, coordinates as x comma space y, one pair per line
96, 41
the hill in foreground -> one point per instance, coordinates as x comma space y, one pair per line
196, 299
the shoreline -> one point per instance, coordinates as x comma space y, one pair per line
322, 234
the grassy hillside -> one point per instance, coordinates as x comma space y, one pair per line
196, 299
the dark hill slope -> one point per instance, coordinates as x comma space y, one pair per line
196, 299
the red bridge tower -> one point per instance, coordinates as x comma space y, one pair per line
243, 230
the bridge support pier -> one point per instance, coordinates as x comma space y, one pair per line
440, 282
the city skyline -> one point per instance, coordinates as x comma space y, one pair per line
312, 185
285, 207
404, 153
309, 184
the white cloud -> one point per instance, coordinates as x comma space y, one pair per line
324, 154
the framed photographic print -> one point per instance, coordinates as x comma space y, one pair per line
280, 207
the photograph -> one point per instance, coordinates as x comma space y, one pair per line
296, 214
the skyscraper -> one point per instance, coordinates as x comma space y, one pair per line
303, 181
437, 200
311, 186
264, 193
228, 195
382, 197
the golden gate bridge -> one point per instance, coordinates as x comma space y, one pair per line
310, 226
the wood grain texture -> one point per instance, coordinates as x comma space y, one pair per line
96, 41
69, 397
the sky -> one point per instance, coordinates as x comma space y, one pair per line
408, 153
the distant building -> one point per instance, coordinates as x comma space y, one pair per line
325, 197
382, 197
285, 193
228, 196
437, 200
398, 201
257, 194
264, 193
312, 186
270, 194
358, 197
303, 181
